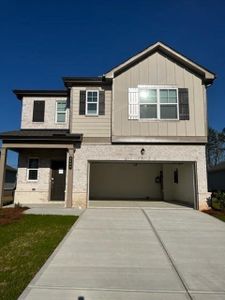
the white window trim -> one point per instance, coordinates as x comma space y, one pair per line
158, 88
86, 103
56, 112
28, 169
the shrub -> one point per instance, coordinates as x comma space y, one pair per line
218, 200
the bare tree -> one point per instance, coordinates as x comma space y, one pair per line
215, 147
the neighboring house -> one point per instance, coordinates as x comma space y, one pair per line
216, 178
9, 184
10, 178
137, 132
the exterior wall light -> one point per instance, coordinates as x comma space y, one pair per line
142, 151
70, 162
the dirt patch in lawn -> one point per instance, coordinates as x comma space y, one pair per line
11, 214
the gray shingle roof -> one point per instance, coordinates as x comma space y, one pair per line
60, 135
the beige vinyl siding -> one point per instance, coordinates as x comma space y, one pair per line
157, 69
90, 126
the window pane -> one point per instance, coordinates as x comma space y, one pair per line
61, 117
148, 111
148, 95
172, 93
61, 106
168, 96
33, 175
168, 111
92, 96
92, 108
172, 96
33, 163
163, 96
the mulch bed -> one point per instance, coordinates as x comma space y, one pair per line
11, 214
215, 213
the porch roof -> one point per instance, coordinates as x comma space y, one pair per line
40, 136
40, 93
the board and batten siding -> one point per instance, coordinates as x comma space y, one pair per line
157, 69
90, 126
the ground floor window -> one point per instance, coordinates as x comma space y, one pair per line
32, 171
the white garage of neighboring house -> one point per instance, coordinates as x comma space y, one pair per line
9, 184
147, 181
216, 178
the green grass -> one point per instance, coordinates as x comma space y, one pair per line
24, 247
222, 218
218, 214
215, 204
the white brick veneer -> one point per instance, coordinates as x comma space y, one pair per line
160, 153
38, 192
35, 191
50, 111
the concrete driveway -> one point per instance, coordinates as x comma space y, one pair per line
135, 253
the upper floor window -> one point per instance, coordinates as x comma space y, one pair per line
38, 111
158, 103
92, 102
32, 171
61, 111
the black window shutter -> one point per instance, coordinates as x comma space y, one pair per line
183, 104
82, 102
39, 111
101, 103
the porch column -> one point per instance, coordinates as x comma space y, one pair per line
2, 173
69, 188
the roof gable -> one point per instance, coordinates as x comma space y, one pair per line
160, 47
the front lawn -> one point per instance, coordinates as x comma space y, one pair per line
26, 241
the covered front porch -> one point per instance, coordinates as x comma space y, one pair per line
45, 166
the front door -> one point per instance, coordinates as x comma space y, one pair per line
58, 180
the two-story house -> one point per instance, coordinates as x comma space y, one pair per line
136, 133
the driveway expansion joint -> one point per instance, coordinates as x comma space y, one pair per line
107, 289
167, 254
